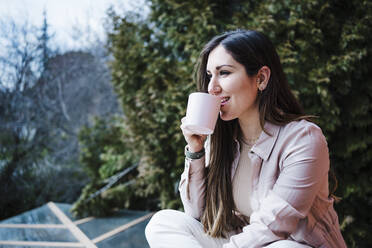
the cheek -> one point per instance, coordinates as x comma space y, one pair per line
234, 85
240, 87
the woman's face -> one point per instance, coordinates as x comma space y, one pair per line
230, 81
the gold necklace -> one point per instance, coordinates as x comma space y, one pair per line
249, 142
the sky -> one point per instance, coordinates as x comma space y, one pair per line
65, 16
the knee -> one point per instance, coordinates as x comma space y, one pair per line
161, 221
286, 244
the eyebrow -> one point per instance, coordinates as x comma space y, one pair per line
219, 67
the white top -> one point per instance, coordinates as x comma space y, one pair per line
242, 181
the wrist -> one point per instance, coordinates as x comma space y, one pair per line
189, 153
194, 149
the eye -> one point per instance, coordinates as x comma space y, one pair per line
223, 72
208, 76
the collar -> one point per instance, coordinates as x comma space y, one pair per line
266, 142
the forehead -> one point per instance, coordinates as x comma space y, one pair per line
219, 56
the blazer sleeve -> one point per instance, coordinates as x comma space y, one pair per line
304, 167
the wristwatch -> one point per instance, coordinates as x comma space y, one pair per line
194, 155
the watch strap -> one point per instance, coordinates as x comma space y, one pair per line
194, 155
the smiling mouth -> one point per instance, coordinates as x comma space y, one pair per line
224, 100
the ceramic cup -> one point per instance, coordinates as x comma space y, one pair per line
202, 113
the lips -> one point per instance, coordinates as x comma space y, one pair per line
224, 100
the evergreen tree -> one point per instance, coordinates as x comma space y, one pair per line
44, 39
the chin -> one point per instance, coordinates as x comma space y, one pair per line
226, 117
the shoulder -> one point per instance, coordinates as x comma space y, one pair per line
299, 125
302, 145
302, 136
302, 128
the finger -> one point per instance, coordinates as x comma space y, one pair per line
203, 137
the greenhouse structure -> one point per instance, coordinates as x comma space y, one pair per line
52, 225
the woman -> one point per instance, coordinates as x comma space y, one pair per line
262, 179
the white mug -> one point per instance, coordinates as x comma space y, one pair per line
202, 113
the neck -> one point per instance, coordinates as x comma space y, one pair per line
250, 125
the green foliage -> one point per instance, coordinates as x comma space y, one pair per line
326, 53
104, 153
92, 142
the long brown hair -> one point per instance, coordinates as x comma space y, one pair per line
277, 105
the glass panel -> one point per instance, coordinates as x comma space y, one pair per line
22, 246
41, 215
65, 208
133, 237
99, 226
37, 234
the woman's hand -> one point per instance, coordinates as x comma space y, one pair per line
194, 141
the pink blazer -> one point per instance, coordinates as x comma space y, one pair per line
289, 189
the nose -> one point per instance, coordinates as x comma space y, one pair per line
213, 87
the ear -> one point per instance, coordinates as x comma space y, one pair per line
263, 76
